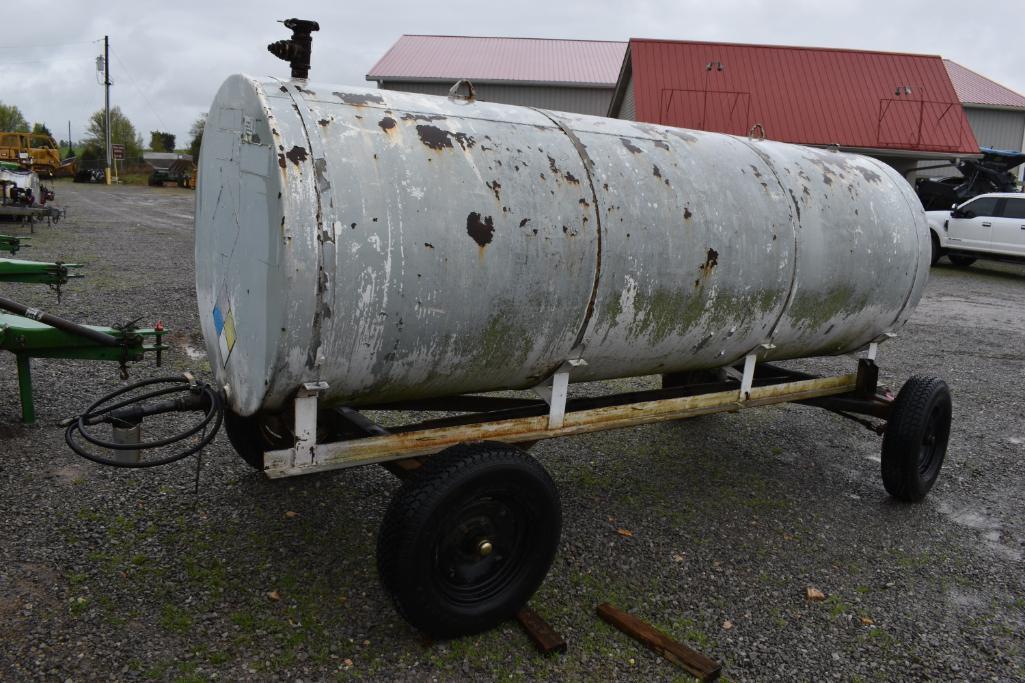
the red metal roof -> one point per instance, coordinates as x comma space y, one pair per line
583, 62
973, 88
869, 100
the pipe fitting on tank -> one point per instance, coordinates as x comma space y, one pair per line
296, 50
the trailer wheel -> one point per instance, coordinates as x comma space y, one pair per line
916, 438
251, 437
469, 538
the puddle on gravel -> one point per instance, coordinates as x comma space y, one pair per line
193, 353
989, 529
976, 311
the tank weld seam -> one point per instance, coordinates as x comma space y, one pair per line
318, 317
914, 278
588, 168
795, 223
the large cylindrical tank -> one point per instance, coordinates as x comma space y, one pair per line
397, 245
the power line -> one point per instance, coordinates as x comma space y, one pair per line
138, 90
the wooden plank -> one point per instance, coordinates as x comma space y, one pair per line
378, 449
545, 638
691, 661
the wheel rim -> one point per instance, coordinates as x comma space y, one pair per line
933, 440
481, 550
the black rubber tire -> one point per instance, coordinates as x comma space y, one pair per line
246, 438
937, 251
426, 549
961, 261
916, 437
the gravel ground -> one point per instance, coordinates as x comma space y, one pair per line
112, 574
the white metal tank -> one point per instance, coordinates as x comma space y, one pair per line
397, 245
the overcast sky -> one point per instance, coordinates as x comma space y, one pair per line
169, 58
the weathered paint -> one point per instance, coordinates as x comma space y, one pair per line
394, 447
397, 245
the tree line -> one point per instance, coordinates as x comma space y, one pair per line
92, 147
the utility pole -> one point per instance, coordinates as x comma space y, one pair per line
106, 99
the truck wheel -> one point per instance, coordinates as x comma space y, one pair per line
916, 438
961, 261
937, 252
469, 538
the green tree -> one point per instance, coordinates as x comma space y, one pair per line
122, 132
160, 141
11, 119
197, 137
41, 129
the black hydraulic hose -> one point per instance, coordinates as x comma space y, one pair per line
101, 338
202, 397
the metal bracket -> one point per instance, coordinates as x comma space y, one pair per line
555, 390
747, 379
305, 450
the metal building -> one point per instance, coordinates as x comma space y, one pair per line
899, 108
996, 113
564, 75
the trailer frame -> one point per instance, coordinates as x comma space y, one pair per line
525, 421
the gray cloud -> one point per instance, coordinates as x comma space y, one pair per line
169, 59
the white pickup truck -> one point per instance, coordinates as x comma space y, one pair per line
990, 226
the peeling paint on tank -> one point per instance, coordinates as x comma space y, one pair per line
359, 99
634, 149
297, 154
387, 124
436, 138
482, 230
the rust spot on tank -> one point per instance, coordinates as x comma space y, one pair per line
353, 226
687, 213
297, 154
482, 230
570, 178
428, 245
386, 124
583, 202
758, 174
654, 169
411, 116
281, 160
711, 261
436, 138
524, 222
697, 283
551, 165
634, 149
605, 186
283, 89
661, 145
495, 186
323, 122
358, 99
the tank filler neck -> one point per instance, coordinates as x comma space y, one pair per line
296, 50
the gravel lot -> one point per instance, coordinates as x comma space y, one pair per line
112, 574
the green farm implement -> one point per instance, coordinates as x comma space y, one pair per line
31, 333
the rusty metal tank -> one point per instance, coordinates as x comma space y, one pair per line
398, 245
